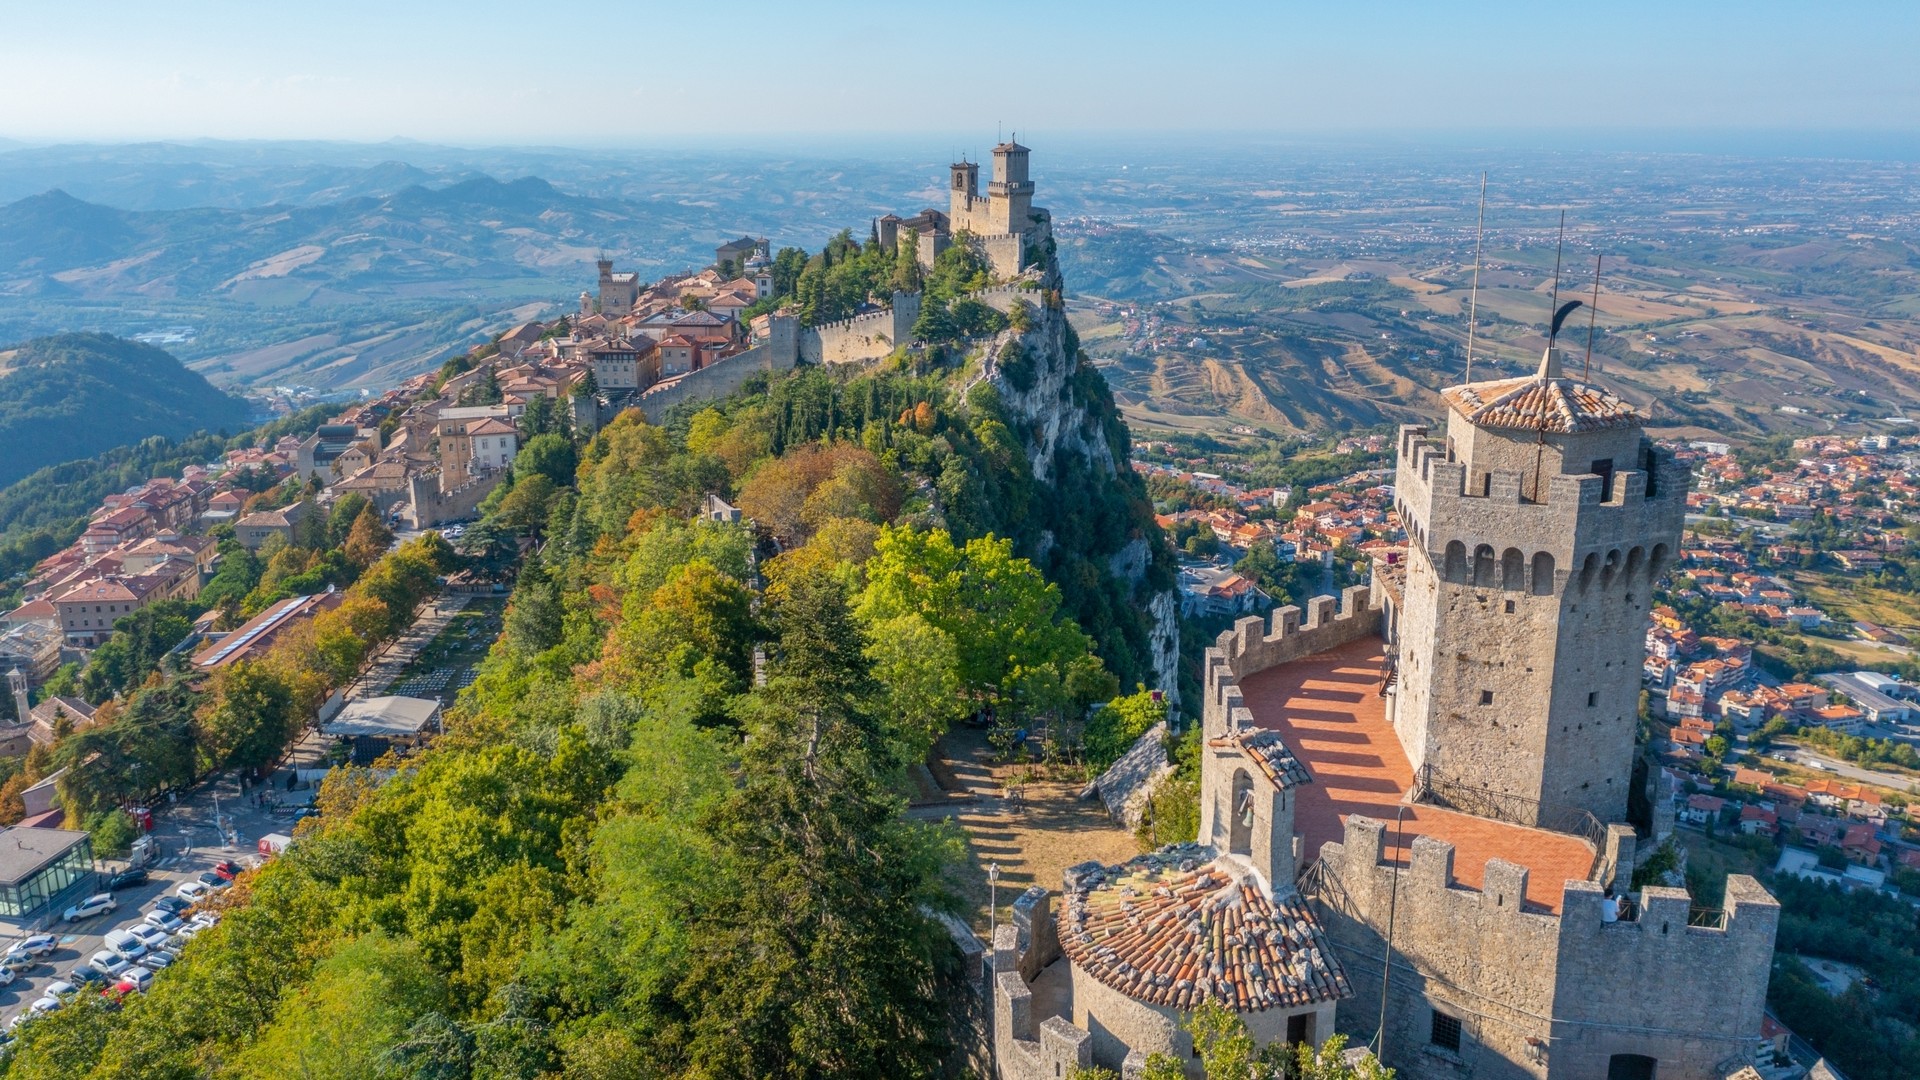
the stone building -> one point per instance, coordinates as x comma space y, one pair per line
1441, 764
1010, 231
1139, 945
1469, 729
617, 291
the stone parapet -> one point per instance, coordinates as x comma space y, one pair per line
1254, 645
1540, 995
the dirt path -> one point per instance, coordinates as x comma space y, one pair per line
1032, 838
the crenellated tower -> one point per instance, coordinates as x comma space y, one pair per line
1536, 528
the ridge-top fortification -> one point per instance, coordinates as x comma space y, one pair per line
1420, 794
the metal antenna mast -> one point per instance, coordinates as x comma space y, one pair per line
1473, 297
1593, 316
1557, 252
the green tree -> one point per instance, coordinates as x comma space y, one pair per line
1115, 726
822, 960
550, 455
342, 1021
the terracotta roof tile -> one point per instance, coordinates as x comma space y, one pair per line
1177, 926
1269, 751
1544, 401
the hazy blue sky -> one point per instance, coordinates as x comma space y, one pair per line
629, 73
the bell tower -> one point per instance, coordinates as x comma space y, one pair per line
1536, 528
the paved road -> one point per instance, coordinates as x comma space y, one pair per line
1850, 771
1771, 528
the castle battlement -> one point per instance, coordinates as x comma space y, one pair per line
1566, 516
1549, 994
1254, 645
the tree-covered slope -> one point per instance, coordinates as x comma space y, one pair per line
76, 395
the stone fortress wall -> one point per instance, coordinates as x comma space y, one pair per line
1524, 615
431, 506
780, 352
864, 337
1537, 994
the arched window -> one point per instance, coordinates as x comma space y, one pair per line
1658, 564
1542, 573
1483, 565
1587, 567
1513, 567
1634, 559
1610, 568
1456, 568
1240, 815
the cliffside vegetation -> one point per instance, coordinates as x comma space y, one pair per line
75, 395
663, 833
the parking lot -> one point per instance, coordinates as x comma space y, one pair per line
189, 846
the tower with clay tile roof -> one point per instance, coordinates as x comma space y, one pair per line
1537, 525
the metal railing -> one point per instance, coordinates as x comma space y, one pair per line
1431, 790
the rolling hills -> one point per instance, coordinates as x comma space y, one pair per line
77, 395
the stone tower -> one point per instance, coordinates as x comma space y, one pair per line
1010, 192
965, 188
1536, 528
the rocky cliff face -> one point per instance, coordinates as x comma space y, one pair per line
1077, 446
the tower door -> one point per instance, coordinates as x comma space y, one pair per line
1631, 1067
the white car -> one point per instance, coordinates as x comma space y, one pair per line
44, 1005
166, 921
108, 963
158, 961
150, 935
192, 890
7, 975
97, 904
37, 945
136, 980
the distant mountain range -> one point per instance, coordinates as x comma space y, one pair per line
76, 395
475, 234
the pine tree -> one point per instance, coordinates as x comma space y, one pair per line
822, 962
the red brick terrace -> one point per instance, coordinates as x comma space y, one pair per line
1329, 710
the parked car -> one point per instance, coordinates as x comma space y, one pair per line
37, 945
213, 880
129, 945
46, 1004
60, 988
173, 905
158, 960
7, 975
97, 904
20, 965
108, 962
193, 890
228, 867
165, 921
84, 977
126, 879
150, 935
135, 981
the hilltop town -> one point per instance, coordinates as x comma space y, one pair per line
1468, 702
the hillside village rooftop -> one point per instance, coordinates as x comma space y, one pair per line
1328, 710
